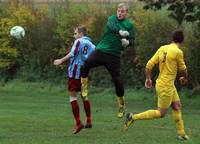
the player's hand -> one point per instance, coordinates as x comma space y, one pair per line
125, 42
123, 33
183, 80
148, 83
57, 62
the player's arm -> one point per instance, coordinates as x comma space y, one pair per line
131, 40
149, 66
72, 53
184, 73
61, 60
131, 45
148, 81
128, 40
112, 25
182, 69
183, 79
131, 36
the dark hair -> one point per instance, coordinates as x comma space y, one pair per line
178, 36
82, 29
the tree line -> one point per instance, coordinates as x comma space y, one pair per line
49, 30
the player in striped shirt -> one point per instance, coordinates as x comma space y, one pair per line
81, 49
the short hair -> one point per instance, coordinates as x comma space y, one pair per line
82, 29
178, 36
121, 5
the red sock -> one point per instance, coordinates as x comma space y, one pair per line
86, 104
75, 110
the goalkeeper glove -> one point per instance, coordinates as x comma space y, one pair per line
125, 42
123, 33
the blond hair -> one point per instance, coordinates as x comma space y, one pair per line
123, 5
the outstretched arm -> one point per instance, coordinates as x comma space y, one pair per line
62, 60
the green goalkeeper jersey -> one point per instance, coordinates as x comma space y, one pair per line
111, 39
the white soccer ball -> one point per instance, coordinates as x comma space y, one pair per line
17, 32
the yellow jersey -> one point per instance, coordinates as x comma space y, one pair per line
170, 60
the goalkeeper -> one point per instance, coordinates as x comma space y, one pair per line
170, 60
119, 34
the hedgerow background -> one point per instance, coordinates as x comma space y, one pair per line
49, 30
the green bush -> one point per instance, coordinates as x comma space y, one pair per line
191, 49
153, 29
49, 35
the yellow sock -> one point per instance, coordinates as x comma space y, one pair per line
179, 122
149, 114
121, 104
84, 80
121, 101
84, 90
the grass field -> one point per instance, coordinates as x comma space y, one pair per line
34, 113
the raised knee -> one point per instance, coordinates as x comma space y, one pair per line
163, 113
85, 98
176, 106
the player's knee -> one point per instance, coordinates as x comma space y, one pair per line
72, 98
176, 106
85, 98
163, 113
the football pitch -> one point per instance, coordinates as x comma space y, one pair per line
35, 113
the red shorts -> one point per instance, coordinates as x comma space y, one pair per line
74, 84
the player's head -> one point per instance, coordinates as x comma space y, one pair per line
122, 11
178, 36
79, 32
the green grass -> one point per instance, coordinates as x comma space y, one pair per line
35, 113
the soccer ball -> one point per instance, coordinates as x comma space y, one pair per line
17, 32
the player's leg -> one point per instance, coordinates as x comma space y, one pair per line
73, 86
150, 114
121, 104
146, 115
112, 64
92, 61
164, 101
177, 116
87, 108
76, 112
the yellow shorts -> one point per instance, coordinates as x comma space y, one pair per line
166, 95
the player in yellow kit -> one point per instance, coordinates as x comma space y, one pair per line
170, 60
